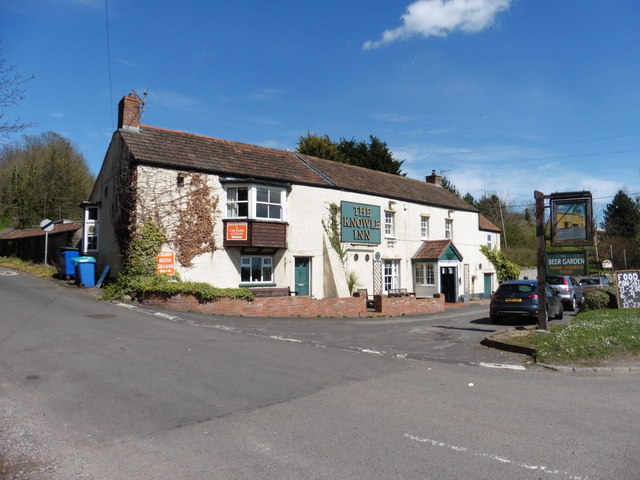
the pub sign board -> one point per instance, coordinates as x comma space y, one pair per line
571, 219
567, 263
628, 286
359, 223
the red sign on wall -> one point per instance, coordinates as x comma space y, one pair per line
166, 262
237, 231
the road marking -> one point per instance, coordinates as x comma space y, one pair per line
503, 366
8, 272
497, 458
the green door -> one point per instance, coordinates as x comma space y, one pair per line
302, 276
487, 285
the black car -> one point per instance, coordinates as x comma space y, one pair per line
519, 298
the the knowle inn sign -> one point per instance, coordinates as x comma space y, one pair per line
360, 223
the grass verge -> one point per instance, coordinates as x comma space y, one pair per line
590, 338
38, 269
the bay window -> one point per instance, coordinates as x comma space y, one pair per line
255, 202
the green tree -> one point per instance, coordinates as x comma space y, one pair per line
44, 176
449, 186
319, 146
505, 269
622, 217
374, 154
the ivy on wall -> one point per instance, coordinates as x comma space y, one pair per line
194, 233
185, 212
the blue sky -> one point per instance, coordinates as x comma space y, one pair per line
504, 96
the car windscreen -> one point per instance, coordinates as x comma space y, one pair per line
590, 281
555, 280
517, 288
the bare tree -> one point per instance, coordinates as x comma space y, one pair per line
12, 92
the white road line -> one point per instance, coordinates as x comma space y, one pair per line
504, 366
497, 458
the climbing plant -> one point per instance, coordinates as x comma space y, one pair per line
194, 233
505, 270
331, 226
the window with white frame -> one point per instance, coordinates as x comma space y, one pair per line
425, 274
90, 233
255, 202
268, 203
448, 228
389, 227
390, 275
424, 227
489, 241
256, 269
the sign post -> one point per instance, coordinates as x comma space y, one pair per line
47, 226
542, 271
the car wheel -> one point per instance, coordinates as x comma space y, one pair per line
572, 304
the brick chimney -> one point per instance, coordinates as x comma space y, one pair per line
435, 179
129, 112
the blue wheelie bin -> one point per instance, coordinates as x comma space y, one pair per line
85, 271
65, 262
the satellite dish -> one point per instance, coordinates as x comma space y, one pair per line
46, 225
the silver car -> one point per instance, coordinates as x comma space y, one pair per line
569, 290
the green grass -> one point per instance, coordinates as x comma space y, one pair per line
38, 269
590, 337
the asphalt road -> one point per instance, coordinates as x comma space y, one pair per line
93, 390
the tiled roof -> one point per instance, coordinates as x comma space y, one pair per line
487, 225
180, 150
38, 232
432, 250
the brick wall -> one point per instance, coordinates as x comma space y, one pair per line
299, 306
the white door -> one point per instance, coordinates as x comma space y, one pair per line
390, 275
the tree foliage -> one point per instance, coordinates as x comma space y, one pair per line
44, 176
449, 186
12, 90
373, 154
622, 217
505, 269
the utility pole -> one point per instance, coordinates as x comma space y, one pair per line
542, 271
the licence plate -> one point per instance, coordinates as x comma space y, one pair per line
512, 299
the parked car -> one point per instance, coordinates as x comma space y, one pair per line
519, 298
569, 289
594, 283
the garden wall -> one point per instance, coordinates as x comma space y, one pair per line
300, 306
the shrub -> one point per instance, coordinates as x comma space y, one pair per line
595, 300
613, 296
164, 285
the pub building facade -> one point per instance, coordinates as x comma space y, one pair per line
239, 215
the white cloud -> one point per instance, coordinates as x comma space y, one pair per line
171, 100
442, 17
57, 115
396, 118
267, 94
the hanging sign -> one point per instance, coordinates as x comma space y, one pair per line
571, 219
